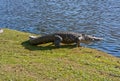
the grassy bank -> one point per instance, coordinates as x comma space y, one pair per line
20, 61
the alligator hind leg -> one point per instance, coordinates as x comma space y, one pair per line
57, 40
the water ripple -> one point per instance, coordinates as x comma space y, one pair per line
95, 17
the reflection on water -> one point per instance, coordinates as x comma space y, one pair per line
95, 17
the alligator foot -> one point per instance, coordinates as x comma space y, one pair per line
78, 45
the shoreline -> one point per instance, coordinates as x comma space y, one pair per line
22, 62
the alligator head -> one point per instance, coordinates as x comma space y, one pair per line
88, 38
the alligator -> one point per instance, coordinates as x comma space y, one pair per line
63, 37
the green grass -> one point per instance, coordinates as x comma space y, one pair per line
20, 61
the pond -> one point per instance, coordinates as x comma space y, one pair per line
94, 17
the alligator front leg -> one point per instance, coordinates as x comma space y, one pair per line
57, 40
78, 44
78, 41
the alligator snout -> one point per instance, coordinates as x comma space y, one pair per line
97, 39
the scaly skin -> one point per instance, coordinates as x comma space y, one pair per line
63, 37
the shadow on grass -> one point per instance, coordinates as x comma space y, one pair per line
28, 46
